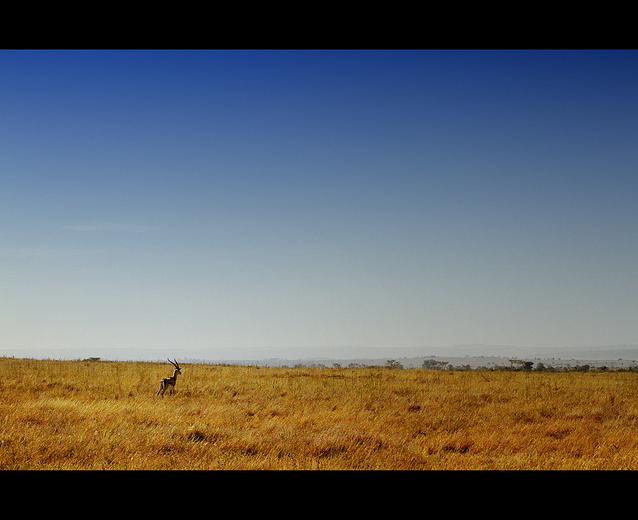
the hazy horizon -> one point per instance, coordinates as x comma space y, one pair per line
270, 355
189, 200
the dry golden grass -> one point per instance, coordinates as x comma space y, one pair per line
105, 415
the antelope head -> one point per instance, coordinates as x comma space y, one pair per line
176, 365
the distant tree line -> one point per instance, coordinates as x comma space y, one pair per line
515, 365
519, 365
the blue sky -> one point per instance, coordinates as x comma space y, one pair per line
206, 199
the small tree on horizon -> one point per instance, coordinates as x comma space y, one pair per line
393, 363
519, 364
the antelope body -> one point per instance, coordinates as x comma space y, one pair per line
169, 382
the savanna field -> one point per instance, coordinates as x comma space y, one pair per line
105, 415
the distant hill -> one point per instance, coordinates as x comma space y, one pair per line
328, 354
615, 352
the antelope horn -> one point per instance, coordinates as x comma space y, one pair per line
174, 363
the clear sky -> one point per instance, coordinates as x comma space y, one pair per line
206, 199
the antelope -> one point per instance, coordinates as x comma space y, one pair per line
169, 382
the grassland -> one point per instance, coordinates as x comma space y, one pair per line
105, 415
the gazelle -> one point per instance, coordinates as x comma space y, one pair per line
169, 382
